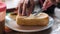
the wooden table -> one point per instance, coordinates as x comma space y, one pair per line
55, 29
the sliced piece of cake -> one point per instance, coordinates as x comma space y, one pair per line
41, 19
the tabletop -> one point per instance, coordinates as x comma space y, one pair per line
55, 29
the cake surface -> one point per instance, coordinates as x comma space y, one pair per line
41, 19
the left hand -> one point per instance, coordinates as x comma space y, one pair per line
47, 4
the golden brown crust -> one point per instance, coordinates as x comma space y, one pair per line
33, 20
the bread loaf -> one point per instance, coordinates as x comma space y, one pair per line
41, 19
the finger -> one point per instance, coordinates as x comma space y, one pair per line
20, 7
44, 5
47, 4
24, 7
31, 7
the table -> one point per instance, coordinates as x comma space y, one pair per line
55, 29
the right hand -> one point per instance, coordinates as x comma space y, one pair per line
49, 3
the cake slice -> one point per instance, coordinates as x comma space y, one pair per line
41, 19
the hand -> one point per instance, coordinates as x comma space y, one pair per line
47, 4
26, 7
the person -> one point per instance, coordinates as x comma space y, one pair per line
47, 6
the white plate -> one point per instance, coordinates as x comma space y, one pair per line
13, 25
11, 3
